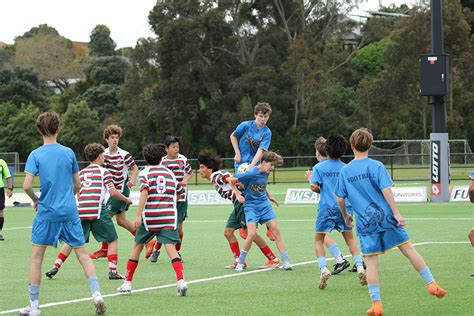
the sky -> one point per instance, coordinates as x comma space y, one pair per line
75, 20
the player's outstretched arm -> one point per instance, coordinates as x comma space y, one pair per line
257, 157
133, 176
119, 196
28, 188
141, 207
388, 195
235, 144
342, 206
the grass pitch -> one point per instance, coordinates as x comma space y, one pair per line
439, 230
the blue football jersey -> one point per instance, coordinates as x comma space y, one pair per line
255, 187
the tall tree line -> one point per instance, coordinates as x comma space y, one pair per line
211, 61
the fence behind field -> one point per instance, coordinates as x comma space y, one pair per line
293, 168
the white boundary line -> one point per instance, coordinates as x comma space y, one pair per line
307, 220
221, 277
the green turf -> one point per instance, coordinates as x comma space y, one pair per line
206, 252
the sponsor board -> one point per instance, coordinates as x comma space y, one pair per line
460, 194
410, 194
435, 168
405, 194
301, 196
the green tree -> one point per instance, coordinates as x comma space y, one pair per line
18, 132
101, 44
21, 86
80, 126
50, 55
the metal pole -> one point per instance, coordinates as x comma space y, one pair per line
438, 108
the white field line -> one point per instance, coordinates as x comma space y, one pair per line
305, 220
221, 277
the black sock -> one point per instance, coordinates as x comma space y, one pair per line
2, 219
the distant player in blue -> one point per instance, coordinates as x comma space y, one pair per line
250, 140
57, 218
367, 186
324, 180
341, 262
257, 207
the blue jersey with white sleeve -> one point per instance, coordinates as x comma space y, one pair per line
362, 182
255, 188
55, 164
325, 175
251, 139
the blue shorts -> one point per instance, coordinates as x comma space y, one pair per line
328, 224
379, 243
259, 215
47, 233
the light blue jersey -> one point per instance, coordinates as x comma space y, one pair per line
362, 182
55, 164
251, 139
325, 175
472, 175
255, 188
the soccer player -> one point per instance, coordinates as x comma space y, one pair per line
209, 169
124, 172
182, 170
96, 181
250, 140
324, 179
4, 174
257, 207
57, 218
367, 186
157, 215
341, 262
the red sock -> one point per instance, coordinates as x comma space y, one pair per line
105, 246
134, 232
113, 259
234, 247
157, 246
60, 260
268, 253
131, 267
178, 245
178, 268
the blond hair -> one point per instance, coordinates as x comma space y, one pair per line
361, 139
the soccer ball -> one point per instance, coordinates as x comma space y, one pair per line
243, 167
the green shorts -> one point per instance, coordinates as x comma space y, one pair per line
182, 210
237, 217
164, 236
115, 206
103, 229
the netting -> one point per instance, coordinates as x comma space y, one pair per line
12, 159
417, 152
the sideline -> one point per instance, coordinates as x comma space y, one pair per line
227, 276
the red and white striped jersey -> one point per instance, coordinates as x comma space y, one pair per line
95, 182
118, 164
219, 179
160, 208
180, 167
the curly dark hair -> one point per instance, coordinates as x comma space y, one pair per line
209, 160
93, 150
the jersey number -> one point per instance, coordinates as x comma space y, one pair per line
87, 182
160, 184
